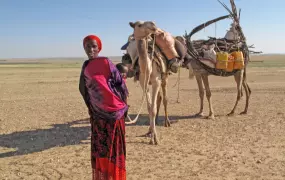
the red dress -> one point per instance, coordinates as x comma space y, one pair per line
105, 92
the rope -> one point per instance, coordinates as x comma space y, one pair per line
144, 86
176, 82
236, 38
178, 93
216, 39
216, 42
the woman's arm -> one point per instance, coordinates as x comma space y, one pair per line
82, 85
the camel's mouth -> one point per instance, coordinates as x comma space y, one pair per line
153, 29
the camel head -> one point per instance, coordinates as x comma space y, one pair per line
142, 29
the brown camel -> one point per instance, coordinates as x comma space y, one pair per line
201, 75
131, 62
150, 74
202, 72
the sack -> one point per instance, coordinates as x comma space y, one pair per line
166, 42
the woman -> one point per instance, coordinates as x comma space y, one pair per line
104, 93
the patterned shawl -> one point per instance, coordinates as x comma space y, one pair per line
103, 89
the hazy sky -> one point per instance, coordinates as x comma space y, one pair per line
55, 28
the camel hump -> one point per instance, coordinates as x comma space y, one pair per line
166, 42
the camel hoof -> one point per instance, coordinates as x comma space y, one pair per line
231, 114
243, 113
148, 134
153, 142
199, 115
211, 117
167, 124
156, 142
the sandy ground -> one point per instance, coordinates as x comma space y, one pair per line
44, 133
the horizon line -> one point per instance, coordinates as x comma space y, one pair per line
82, 57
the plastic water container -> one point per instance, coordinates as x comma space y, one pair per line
238, 60
231, 61
222, 60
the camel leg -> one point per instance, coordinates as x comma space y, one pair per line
148, 98
208, 95
239, 80
142, 83
155, 88
156, 84
201, 94
247, 91
165, 101
159, 99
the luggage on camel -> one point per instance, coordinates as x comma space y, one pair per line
166, 43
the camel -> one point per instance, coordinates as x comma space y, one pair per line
201, 75
150, 74
132, 52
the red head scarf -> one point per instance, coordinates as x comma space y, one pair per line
93, 37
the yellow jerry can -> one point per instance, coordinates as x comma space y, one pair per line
222, 60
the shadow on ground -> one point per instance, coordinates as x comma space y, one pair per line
59, 135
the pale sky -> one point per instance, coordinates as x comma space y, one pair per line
53, 28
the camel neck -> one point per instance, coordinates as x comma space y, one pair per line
142, 48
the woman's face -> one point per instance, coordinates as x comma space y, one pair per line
91, 49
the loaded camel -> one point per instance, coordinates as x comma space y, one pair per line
234, 40
201, 75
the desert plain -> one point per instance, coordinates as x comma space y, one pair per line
45, 131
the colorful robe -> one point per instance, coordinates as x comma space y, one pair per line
105, 94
